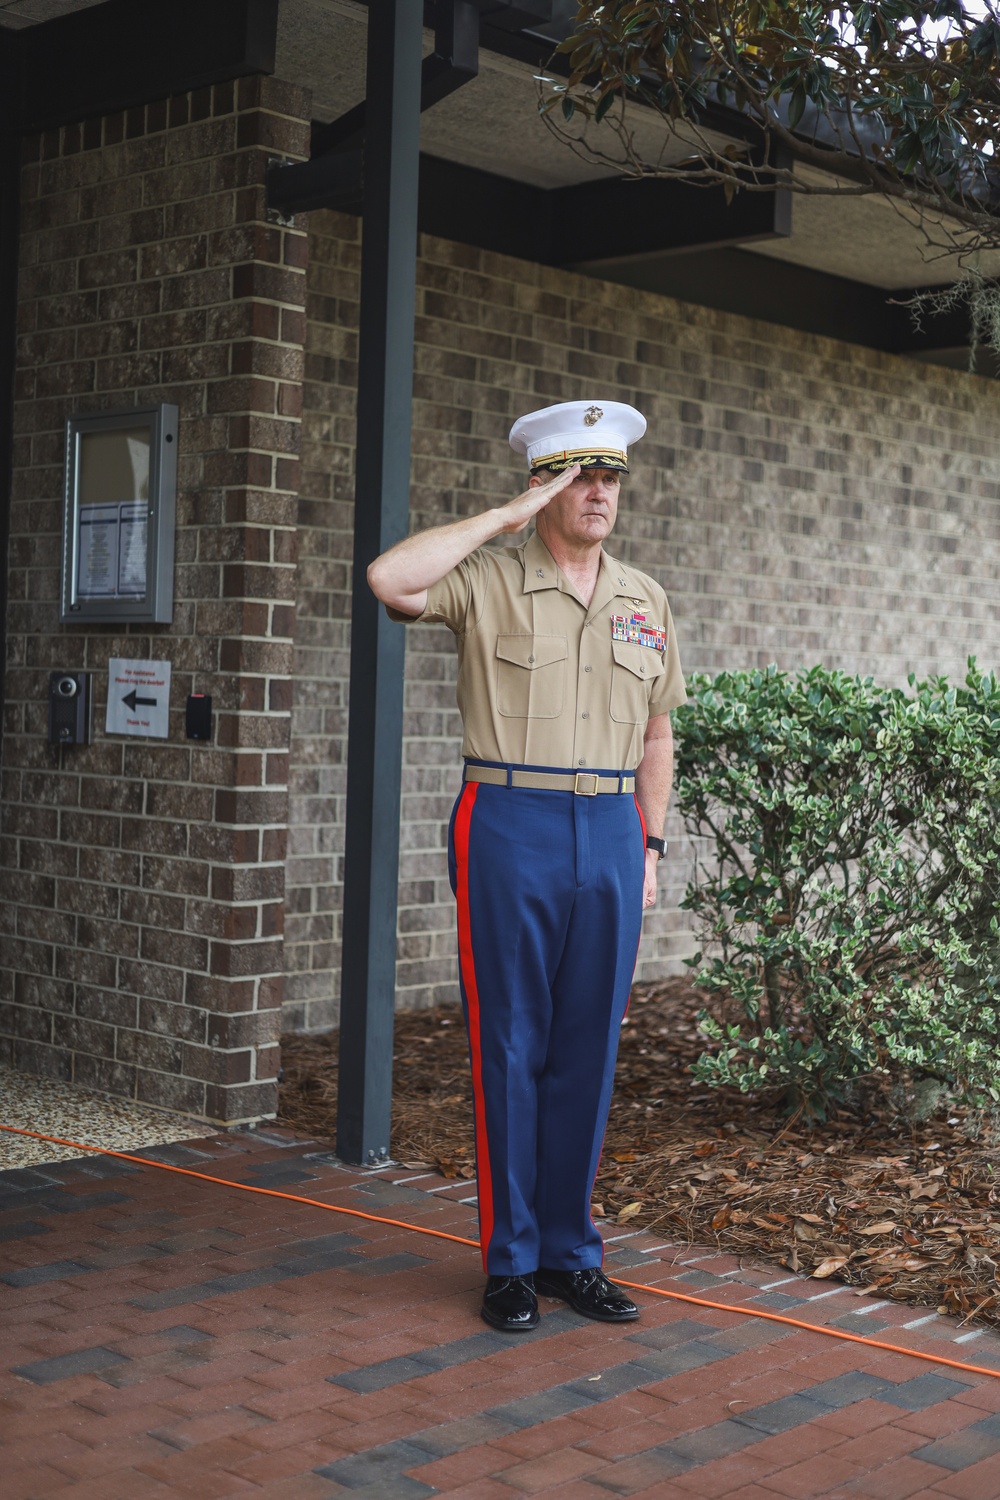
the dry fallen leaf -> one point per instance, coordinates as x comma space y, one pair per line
815, 1192
629, 1211
829, 1266
902, 1262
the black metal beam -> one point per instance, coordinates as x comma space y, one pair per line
120, 53
780, 291
613, 221
10, 213
381, 517
334, 180
765, 287
610, 219
480, 208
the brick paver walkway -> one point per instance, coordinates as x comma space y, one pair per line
169, 1338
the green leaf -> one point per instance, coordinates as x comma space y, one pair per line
851, 916
796, 106
604, 105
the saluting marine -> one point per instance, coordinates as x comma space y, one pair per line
568, 670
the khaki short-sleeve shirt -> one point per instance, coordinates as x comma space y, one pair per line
542, 679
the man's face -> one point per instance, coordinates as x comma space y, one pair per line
585, 511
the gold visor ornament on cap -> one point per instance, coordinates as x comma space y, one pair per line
562, 435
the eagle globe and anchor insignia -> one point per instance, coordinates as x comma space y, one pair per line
592, 416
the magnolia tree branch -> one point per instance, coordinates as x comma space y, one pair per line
902, 104
711, 167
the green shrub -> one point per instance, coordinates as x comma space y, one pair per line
849, 904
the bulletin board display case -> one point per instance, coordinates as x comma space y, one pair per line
119, 516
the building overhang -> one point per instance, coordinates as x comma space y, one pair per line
494, 175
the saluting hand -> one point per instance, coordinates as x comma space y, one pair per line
517, 513
402, 576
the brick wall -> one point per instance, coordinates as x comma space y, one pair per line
801, 501
142, 881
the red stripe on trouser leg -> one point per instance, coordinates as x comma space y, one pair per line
642, 825
484, 1181
642, 820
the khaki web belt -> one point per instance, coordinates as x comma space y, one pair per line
583, 783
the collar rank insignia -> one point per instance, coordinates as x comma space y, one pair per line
636, 631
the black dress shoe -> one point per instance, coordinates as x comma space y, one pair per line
588, 1292
510, 1304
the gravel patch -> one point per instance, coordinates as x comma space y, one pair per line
51, 1107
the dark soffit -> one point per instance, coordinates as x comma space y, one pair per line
127, 52
609, 220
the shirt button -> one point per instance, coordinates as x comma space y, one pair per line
586, 669
581, 761
641, 669
531, 658
585, 715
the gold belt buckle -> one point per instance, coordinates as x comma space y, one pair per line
578, 789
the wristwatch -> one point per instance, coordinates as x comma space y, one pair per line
660, 845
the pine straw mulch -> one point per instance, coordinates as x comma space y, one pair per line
910, 1211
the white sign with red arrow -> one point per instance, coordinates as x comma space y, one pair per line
138, 697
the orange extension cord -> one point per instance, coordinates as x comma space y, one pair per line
440, 1234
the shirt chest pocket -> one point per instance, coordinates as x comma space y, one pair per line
633, 673
531, 676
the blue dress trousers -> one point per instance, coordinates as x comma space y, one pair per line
549, 889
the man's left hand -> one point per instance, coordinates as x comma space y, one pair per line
649, 882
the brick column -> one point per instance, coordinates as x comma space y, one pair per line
143, 880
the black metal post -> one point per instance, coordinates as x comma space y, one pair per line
381, 513
10, 216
